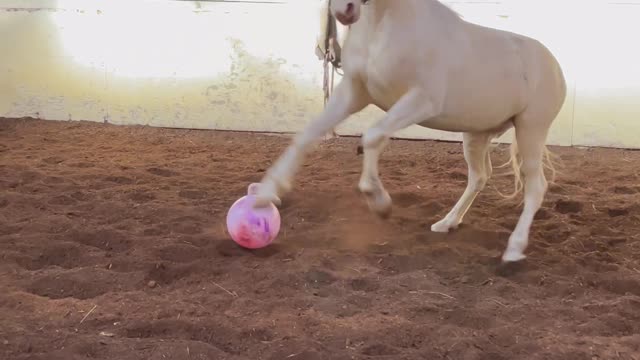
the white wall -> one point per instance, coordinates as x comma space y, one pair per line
251, 65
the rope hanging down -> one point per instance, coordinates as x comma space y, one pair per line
332, 54
331, 57
329, 76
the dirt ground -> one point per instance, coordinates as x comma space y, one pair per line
113, 246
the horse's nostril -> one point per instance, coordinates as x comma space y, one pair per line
349, 11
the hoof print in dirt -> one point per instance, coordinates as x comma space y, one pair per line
319, 278
268, 251
379, 350
230, 249
365, 285
615, 212
165, 273
304, 355
568, 206
162, 172
507, 269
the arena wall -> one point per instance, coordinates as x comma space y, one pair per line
250, 65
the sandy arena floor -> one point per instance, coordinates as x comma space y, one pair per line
112, 246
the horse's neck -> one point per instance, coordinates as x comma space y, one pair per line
397, 26
375, 10
375, 14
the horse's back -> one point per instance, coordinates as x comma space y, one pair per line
537, 60
507, 67
485, 78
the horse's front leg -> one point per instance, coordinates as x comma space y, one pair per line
349, 97
414, 107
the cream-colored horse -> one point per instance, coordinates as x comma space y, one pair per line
422, 64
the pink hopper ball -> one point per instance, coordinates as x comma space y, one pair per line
252, 228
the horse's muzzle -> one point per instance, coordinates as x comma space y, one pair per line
346, 19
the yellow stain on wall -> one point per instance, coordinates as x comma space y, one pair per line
251, 66
169, 64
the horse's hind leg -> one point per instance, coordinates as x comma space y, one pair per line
531, 135
476, 154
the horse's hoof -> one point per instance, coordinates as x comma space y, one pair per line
266, 199
512, 256
511, 268
265, 193
263, 202
384, 213
443, 226
380, 204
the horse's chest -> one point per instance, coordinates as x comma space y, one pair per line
384, 78
386, 74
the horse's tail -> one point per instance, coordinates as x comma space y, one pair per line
515, 161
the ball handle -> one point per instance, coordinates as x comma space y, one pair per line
253, 189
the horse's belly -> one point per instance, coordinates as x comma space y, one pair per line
444, 123
477, 108
462, 123
467, 116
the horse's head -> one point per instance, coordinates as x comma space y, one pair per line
347, 12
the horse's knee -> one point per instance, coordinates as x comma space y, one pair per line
373, 138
